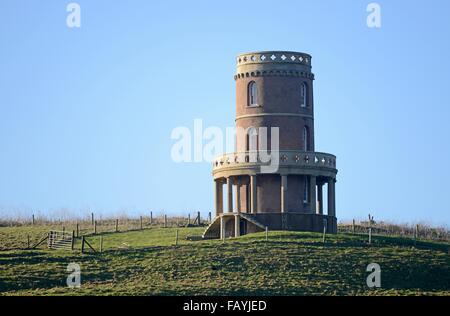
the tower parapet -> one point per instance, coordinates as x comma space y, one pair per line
273, 63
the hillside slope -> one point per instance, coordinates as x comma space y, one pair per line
147, 263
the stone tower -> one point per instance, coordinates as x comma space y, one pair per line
274, 106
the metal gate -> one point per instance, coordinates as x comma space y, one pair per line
60, 240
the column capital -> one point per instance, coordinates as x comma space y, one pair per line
331, 179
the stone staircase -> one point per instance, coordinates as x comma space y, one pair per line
253, 220
210, 231
213, 229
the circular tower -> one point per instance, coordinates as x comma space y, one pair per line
275, 179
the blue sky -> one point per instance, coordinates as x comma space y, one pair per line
86, 114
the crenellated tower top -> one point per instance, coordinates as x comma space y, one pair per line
273, 63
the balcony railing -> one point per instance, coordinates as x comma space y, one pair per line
286, 158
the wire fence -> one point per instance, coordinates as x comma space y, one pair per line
30, 232
418, 231
25, 234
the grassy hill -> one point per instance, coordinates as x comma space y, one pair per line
147, 263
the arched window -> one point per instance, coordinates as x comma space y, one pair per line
306, 146
252, 94
304, 95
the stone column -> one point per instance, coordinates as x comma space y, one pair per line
230, 194
284, 189
222, 227
320, 198
238, 196
216, 202
237, 226
218, 196
253, 198
331, 197
312, 193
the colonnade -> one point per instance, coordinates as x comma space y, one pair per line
315, 192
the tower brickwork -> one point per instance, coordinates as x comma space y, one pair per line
274, 89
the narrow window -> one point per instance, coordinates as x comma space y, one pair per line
247, 142
304, 95
252, 94
306, 139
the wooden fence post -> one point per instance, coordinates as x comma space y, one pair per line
209, 217
95, 227
92, 218
78, 230
189, 219
416, 234
165, 221
63, 231
151, 218
82, 244
73, 239
324, 233
198, 219
32, 219
267, 233
101, 244
117, 225
353, 226
49, 240
176, 238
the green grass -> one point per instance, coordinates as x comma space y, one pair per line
289, 263
12, 238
